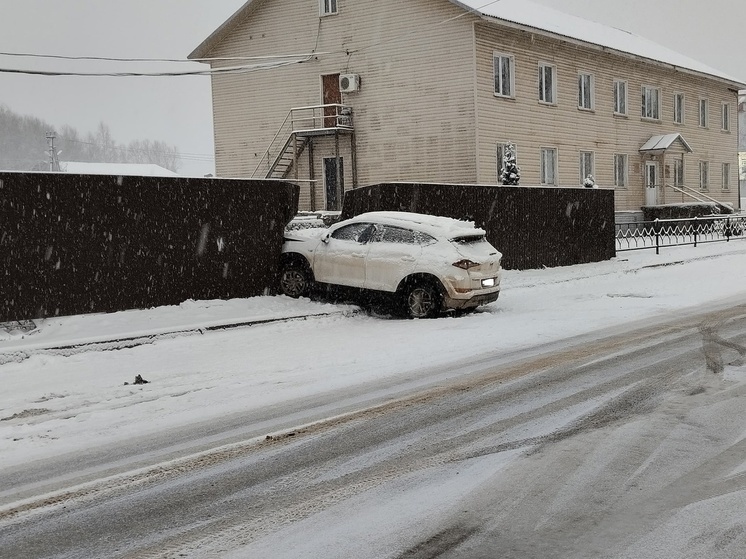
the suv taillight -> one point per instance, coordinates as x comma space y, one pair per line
466, 264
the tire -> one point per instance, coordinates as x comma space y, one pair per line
295, 280
422, 300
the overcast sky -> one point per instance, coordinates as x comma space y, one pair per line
177, 110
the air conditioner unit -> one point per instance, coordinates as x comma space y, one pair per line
349, 82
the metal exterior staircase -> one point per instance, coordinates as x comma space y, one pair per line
295, 133
291, 151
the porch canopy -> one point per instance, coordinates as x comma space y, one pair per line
657, 145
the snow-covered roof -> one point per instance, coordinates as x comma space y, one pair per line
525, 13
542, 20
662, 143
438, 226
127, 169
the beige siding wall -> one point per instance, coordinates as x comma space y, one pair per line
532, 125
414, 115
418, 116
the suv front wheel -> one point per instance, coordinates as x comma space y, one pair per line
295, 280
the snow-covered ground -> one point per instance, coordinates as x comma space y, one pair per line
67, 385
55, 401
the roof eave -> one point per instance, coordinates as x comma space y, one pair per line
216, 36
735, 85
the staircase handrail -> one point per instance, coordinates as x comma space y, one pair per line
342, 119
683, 189
268, 152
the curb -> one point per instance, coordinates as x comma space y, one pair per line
125, 342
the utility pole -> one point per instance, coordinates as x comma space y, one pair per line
54, 162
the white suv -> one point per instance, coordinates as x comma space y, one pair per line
425, 264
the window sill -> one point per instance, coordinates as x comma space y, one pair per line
584, 110
547, 104
328, 14
621, 115
506, 97
648, 119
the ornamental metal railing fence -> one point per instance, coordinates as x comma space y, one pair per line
678, 232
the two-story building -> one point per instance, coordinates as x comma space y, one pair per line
340, 93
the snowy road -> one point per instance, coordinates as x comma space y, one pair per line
578, 449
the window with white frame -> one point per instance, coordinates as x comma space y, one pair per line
651, 97
585, 91
726, 176
725, 117
549, 166
704, 175
678, 172
620, 170
547, 83
328, 7
678, 108
504, 74
703, 106
586, 165
620, 97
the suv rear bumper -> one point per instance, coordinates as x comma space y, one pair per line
471, 302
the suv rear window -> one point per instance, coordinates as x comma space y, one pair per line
393, 234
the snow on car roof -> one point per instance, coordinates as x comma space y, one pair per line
438, 226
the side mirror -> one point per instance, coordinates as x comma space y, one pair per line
325, 237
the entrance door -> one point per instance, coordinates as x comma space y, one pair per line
651, 183
330, 95
334, 190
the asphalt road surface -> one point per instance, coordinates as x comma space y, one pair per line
594, 447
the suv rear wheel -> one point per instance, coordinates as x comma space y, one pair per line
422, 300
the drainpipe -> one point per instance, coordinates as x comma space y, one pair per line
340, 190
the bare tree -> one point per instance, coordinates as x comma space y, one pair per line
155, 152
23, 145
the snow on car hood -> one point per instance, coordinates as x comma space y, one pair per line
304, 234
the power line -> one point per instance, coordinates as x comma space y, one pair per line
185, 156
159, 60
243, 69
282, 60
